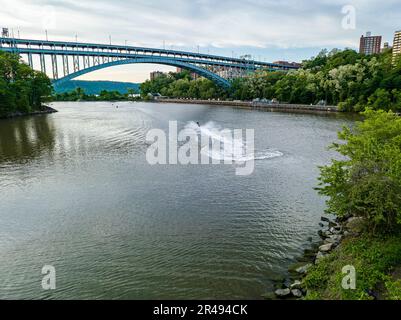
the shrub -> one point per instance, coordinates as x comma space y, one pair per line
367, 182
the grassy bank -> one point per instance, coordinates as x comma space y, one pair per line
377, 261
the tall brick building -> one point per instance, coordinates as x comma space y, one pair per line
370, 44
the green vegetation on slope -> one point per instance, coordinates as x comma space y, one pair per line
366, 185
180, 85
22, 90
343, 78
376, 261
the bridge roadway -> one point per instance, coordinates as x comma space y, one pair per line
88, 57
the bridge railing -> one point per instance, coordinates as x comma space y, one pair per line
78, 56
59, 45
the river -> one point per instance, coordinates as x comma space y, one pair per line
77, 193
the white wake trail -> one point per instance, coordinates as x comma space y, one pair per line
237, 148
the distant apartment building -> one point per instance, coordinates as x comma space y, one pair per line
288, 64
156, 74
370, 44
194, 75
386, 46
397, 45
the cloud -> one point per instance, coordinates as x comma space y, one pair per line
274, 28
224, 23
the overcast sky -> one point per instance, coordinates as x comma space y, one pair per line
268, 29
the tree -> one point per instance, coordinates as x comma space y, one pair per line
21, 88
367, 183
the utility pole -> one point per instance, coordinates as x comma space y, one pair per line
47, 36
110, 39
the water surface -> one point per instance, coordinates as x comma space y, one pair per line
77, 193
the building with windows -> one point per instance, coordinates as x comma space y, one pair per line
397, 45
370, 44
194, 76
156, 74
288, 64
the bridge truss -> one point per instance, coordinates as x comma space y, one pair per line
68, 60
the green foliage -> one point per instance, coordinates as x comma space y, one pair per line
343, 78
373, 259
180, 85
367, 182
21, 88
393, 289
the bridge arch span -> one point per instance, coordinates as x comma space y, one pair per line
151, 60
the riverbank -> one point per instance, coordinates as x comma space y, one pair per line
346, 247
47, 110
257, 105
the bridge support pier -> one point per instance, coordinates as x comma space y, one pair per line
55, 67
42, 63
76, 63
86, 62
30, 61
66, 67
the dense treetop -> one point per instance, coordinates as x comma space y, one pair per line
22, 89
345, 78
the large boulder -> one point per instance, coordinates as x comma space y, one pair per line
324, 234
326, 247
355, 224
334, 239
304, 269
335, 231
296, 285
282, 293
297, 293
325, 219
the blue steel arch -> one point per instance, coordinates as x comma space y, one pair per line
154, 60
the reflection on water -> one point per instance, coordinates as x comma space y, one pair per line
24, 139
77, 193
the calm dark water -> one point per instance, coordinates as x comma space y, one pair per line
76, 192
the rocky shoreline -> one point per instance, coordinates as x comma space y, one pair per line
332, 233
46, 110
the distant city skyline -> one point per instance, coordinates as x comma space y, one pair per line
269, 30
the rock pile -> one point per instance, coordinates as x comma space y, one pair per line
332, 234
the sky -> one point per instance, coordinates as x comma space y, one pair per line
270, 30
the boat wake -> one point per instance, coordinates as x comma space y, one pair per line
231, 149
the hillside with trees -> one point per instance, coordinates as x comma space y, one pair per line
344, 78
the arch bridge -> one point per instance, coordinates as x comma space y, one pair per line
68, 60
